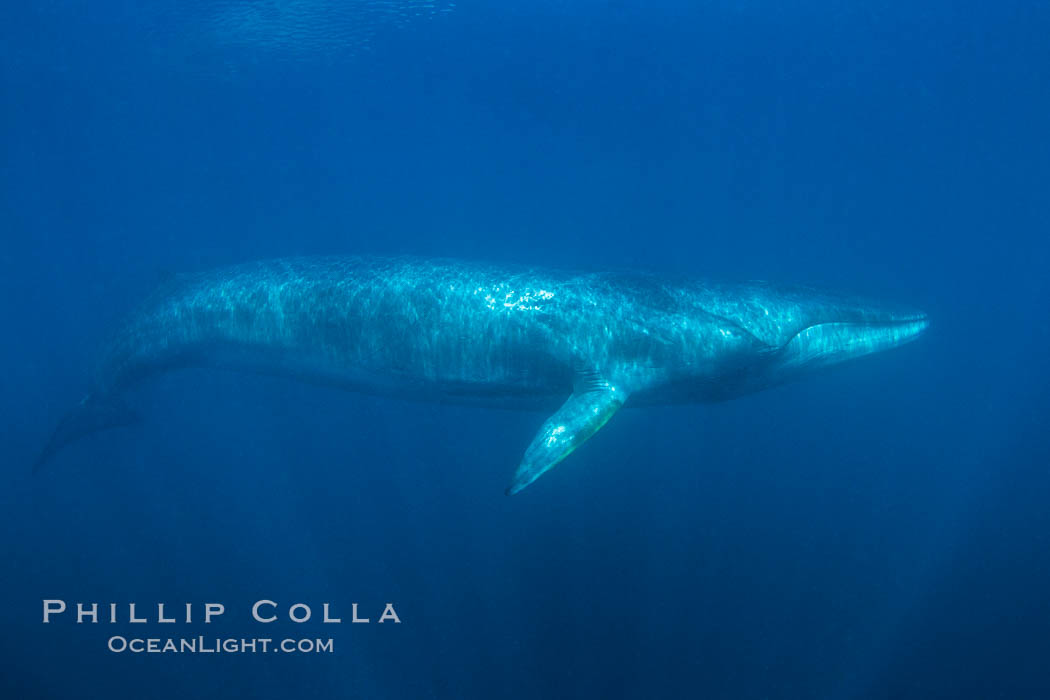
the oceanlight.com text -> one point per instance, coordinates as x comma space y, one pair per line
218, 645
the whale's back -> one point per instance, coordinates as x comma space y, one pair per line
414, 324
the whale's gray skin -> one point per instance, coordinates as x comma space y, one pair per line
451, 331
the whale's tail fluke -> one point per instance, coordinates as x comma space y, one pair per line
93, 414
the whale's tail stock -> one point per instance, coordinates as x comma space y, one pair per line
93, 414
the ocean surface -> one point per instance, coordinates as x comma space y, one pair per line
878, 531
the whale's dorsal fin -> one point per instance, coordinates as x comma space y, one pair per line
593, 402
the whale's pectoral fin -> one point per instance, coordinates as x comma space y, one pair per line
591, 405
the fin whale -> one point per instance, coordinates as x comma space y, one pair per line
450, 331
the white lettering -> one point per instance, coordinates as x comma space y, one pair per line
291, 613
50, 607
389, 614
81, 613
213, 609
255, 610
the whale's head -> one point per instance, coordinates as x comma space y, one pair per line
758, 335
824, 331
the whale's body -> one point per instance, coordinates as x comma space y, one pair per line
442, 330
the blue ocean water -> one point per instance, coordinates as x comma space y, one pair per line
878, 531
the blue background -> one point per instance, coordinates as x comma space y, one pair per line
878, 531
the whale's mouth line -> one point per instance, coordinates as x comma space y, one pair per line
919, 322
914, 318
915, 325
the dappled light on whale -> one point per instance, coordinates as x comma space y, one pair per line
461, 332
